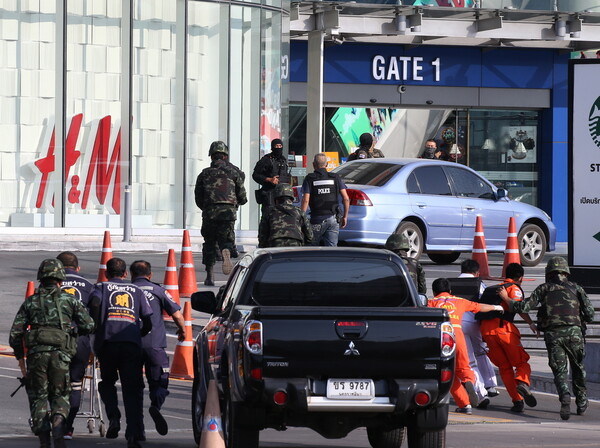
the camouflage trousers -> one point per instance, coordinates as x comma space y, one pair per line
285, 242
565, 346
47, 382
217, 233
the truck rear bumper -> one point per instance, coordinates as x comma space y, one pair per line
323, 404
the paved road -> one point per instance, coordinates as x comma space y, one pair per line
495, 427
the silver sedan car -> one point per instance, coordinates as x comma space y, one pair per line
435, 204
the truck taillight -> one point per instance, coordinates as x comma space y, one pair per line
357, 197
296, 194
446, 375
422, 398
253, 337
448, 341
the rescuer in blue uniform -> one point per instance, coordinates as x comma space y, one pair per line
154, 357
118, 307
81, 288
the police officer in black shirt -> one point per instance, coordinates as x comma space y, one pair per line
81, 288
118, 307
322, 191
269, 171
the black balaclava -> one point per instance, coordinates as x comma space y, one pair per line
278, 152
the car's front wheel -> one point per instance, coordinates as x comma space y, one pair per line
532, 245
426, 439
415, 238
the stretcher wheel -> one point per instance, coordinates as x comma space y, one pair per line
91, 425
102, 429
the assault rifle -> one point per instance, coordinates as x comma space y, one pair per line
23, 381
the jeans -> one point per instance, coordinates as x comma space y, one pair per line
326, 233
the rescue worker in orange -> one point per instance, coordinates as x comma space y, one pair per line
463, 387
504, 342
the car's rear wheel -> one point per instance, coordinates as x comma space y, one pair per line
237, 435
199, 392
415, 238
426, 439
386, 438
532, 245
444, 258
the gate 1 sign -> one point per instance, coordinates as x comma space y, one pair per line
584, 158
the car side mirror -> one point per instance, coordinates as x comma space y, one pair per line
501, 193
204, 301
422, 300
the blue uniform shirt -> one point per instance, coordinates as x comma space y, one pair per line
159, 300
122, 304
78, 286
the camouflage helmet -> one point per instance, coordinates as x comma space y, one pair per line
397, 241
557, 264
218, 146
51, 268
283, 190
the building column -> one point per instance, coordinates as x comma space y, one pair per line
314, 95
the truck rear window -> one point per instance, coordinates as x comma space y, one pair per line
330, 282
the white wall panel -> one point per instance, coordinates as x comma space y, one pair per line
8, 111
95, 59
7, 166
8, 54
9, 29
150, 116
47, 56
8, 83
9, 140
47, 83
30, 55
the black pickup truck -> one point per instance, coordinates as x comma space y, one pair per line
326, 338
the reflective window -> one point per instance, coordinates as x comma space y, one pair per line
469, 185
432, 180
376, 174
331, 282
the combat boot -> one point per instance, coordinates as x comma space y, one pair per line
58, 431
565, 407
45, 440
210, 281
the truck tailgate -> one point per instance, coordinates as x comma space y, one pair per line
351, 342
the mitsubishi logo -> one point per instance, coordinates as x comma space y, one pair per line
351, 350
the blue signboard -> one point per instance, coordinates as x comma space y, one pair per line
356, 63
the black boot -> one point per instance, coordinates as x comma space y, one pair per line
45, 440
210, 281
565, 407
58, 431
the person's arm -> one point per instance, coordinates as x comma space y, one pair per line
522, 306
146, 325
180, 322
346, 202
83, 319
17, 333
262, 172
306, 229
304, 204
263, 232
199, 193
240, 191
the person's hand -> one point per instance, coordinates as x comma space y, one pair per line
343, 223
274, 180
23, 367
535, 330
499, 308
180, 335
503, 293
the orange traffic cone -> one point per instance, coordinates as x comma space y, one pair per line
106, 255
479, 253
187, 272
183, 359
212, 430
30, 289
170, 283
511, 253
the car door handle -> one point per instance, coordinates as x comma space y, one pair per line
421, 205
469, 207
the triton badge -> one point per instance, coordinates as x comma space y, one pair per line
351, 350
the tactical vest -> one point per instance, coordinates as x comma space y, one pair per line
284, 222
411, 264
323, 194
560, 307
490, 296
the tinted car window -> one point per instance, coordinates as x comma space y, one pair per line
412, 186
376, 174
432, 180
330, 282
468, 184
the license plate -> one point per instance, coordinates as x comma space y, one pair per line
349, 389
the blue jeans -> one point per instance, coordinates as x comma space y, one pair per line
326, 233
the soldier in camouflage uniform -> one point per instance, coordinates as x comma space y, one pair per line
564, 311
43, 325
219, 191
284, 224
398, 243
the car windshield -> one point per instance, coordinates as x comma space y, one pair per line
331, 282
376, 174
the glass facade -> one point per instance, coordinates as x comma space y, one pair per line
199, 72
500, 144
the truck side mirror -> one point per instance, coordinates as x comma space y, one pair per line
204, 301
